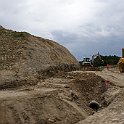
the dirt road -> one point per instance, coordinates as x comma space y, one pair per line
113, 76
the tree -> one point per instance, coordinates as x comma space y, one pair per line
111, 60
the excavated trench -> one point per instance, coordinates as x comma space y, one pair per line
91, 91
64, 98
87, 91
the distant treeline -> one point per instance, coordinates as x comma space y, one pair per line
104, 60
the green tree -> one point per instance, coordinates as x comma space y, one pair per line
104, 60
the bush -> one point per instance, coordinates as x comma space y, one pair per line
19, 35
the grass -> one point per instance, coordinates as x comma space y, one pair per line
20, 35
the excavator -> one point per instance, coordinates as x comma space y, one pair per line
88, 64
121, 62
95, 56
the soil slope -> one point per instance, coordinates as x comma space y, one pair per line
26, 52
22, 56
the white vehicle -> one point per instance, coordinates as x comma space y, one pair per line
86, 62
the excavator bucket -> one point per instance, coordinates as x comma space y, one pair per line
121, 62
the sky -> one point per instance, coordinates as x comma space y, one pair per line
85, 27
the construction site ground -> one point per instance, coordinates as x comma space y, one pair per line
114, 112
65, 98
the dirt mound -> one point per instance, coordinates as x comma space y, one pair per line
24, 55
20, 49
42, 109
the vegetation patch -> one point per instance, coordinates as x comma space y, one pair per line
20, 35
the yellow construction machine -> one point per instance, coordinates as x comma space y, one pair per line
121, 62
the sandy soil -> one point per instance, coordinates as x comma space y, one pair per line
65, 98
62, 99
114, 113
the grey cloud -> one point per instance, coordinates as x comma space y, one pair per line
84, 27
86, 47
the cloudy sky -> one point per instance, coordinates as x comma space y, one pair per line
85, 27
